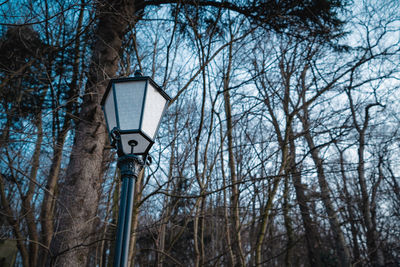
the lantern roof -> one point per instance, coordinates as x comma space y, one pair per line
130, 79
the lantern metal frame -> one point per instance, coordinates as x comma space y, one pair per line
111, 87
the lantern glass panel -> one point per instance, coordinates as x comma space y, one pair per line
153, 110
141, 146
129, 103
109, 110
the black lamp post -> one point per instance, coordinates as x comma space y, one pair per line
133, 108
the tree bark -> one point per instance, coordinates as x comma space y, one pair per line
351, 214
341, 246
374, 251
28, 208
235, 215
311, 233
288, 223
231, 257
14, 223
48, 203
80, 191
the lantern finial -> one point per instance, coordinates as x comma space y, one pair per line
138, 73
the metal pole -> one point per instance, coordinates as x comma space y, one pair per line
128, 220
121, 222
130, 166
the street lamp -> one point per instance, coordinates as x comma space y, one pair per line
133, 108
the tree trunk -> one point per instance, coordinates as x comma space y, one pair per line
235, 215
48, 203
311, 233
231, 258
351, 214
28, 208
376, 255
341, 247
15, 223
288, 223
80, 191
374, 251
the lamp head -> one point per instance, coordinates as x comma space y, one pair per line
135, 107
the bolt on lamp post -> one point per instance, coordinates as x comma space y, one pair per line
133, 108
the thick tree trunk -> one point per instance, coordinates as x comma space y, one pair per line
79, 194
48, 203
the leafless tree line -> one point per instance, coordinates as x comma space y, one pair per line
280, 146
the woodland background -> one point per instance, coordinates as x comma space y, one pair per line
280, 147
